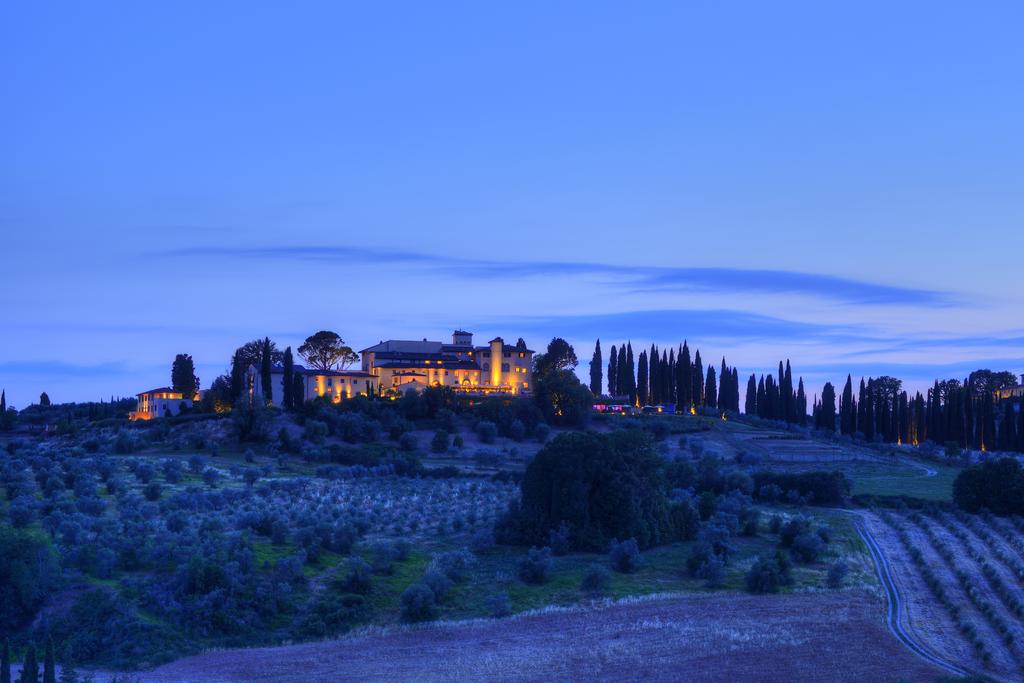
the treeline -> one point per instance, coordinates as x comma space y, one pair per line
659, 376
963, 414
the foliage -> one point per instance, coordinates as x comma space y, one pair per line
562, 399
837, 572
995, 485
535, 567
325, 349
602, 486
822, 488
183, 376
624, 556
418, 603
595, 579
769, 574
28, 571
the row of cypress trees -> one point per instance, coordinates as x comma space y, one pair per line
966, 413
30, 672
774, 398
658, 376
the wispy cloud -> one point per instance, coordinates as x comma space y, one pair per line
50, 369
678, 324
636, 278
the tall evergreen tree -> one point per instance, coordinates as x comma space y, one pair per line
698, 379
613, 366
3, 401
750, 404
684, 381
670, 395
238, 370
49, 664
641, 379
711, 389
5, 663
183, 376
826, 418
596, 366
654, 381
622, 375
44, 399
848, 415
298, 391
735, 390
30, 668
288, 382
800, 405
762, 398
265, 370
630, 374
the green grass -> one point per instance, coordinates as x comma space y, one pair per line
900, 478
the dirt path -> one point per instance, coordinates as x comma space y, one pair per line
897, 612
703, 637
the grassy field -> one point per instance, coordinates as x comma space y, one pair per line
911, 478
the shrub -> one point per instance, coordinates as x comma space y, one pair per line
439, 444
713, 571
807, 547
211, 476
535, 567
486, 431
250, 455
438, 583
706, 505
458, 441
28, 571
751, 522
418, 603
517, 430
791, 529
498, 605
358, 577
541, 432
152, 491
769, 574
408, 442
837, 572
775, 524
454, 564
595, 579
559, 539
624, 556
821, 488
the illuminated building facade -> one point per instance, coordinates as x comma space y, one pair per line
162, 402
402, 365
337, 384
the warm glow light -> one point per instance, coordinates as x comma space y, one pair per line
693, 411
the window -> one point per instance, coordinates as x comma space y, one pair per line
507, 354
522, 355
504, 367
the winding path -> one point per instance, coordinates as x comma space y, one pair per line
895, 604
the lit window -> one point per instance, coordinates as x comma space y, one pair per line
522, 355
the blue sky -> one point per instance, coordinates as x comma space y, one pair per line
840, 185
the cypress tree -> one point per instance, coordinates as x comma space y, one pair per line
5, 663
3, 401
711, 389
237, 377
596, 363
671, 395
622, 381
684, 383
288, 383
265, 368
299, 391
847, 417
641, 379
654, 381
49, 665
762, 398
698, 379
613, 364
724, 379
827, 409
30, 668
631, 375
800, 409
750, 404
735, 390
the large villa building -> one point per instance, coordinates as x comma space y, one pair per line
398, 365
162, 402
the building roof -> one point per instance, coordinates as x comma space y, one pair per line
404, 345
303, 370
446, 364
161, 390
462, 332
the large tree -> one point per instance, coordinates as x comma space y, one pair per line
44, 399
288, 384
183, 376
325, 349
642, 383
613, 366
559, 356
826, 416
266, 374
251, 353
595, 370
